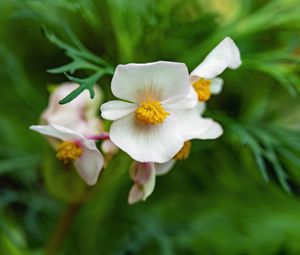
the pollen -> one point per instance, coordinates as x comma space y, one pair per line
202, 87
184, 151
68, 152
151, 112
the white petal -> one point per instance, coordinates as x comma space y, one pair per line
150, 184
191, 123
90, 163
160, 80
55, 131
214, 131
225, 54
136, 194
200, 108
116, 109
147, 143
193, 126
216, 85
186, 102
164, 168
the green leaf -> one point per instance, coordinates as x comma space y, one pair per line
82, 59
14, 163
87, 83
72, 67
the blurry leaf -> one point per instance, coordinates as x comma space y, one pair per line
265, 143
280, 64
13, 72
18, 163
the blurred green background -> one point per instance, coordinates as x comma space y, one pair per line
239, 194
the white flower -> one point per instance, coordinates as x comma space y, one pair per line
146, 126
194, 126
191, 124
80, 114
72, 147
204, 77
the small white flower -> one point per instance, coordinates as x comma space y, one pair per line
72, 147
204, 77
146, 126
79, 115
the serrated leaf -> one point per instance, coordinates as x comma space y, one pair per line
71, 51
83, 59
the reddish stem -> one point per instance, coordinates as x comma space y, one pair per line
61, 229
103, 136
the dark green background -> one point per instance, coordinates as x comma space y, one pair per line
235, 195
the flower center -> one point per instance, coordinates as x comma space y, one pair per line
184, 151
151, 112
68, 152
202, 87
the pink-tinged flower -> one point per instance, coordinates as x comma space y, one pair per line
204, 77
73, 147
80, 114
146, 124
108, 147
144, 175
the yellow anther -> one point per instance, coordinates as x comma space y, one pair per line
184, 151
151, 112
202, 87
68, 152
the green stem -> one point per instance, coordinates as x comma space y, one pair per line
62, 227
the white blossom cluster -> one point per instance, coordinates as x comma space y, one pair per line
158, 114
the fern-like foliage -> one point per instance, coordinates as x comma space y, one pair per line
82, 59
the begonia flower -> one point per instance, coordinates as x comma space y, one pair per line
145, 124
204, 77
194, 127
73, 147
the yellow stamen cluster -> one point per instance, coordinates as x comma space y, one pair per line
151, 112
184, 151
68, 152
202, 87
